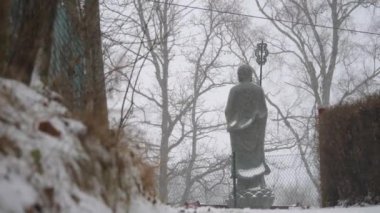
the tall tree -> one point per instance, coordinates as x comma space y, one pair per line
316, 44
150, 29
207, 60
153, 36
5, 8
164, 18
96, 101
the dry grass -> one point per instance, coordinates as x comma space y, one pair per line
8, 147
111, 162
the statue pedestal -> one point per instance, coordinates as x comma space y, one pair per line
253, 198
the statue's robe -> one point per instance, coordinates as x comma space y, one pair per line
246, 115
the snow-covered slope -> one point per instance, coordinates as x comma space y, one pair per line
50, 161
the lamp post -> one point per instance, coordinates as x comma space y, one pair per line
261, 53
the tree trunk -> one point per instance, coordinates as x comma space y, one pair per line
35, 31
163, 176
328, 77
166, 128
188, 178
95, 83
164, 148
5, 7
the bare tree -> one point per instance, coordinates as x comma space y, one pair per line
210, 177
124, 52
157, 24
315, 47
366, 81
165, 16
184, 120
216, 187
204, 78
317, 50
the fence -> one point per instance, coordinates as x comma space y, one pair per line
67, 57
290, 181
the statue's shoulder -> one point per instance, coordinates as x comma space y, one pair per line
246, 87
250, 86
236, 88
256, 87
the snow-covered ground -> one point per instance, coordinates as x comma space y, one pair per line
140, 205
328, 210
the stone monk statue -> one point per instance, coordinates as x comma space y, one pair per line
246, 115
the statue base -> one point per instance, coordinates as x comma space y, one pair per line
253, 198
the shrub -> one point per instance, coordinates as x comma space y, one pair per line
350, 152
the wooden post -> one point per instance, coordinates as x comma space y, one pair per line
261, 65
234, 179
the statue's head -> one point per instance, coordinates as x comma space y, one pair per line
245, 73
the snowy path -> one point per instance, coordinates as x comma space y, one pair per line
142, 206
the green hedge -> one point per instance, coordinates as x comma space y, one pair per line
350, 152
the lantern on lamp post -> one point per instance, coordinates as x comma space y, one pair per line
261, 53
